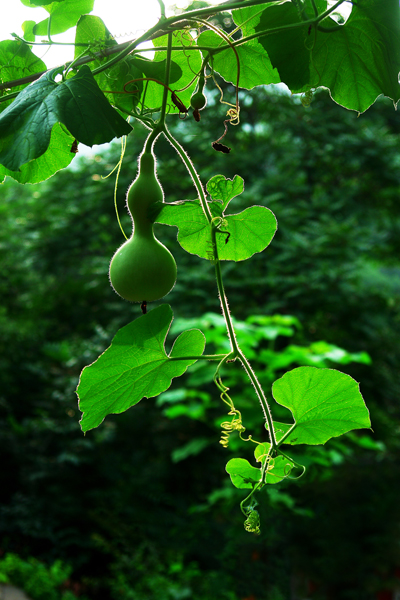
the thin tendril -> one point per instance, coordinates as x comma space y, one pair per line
118, 167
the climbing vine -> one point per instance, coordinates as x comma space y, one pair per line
45, 113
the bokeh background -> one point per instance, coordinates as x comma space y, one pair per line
142, 508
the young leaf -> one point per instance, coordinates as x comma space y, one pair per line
242, 474
221, 188
135, 366
325, 403
64, 15
77, 103
250, 231
58, 156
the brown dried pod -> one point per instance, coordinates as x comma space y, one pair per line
220, 147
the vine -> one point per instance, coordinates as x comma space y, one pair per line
143, 270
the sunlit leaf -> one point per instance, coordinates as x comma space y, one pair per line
64, 15
325, 403
135, 366
17, 61
255, 65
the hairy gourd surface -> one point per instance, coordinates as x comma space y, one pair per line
143, 269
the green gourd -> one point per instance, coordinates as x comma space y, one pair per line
143, 269
198, 99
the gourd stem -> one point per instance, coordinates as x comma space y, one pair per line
192, 171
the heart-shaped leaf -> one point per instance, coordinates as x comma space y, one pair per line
325, 403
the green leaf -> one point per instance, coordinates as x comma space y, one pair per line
189, 61
361, 60
156, 69
287, 50
255, 65
91, 30
221, 188
250, 231
58, 156
249, 17
242, 474
78, 103
64, 15
27, 28
325, 403
35, 3
17, 61
135, 366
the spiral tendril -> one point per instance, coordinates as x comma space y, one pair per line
252, 523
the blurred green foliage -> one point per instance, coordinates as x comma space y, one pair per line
35, 578
144, 502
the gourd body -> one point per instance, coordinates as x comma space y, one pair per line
143, 268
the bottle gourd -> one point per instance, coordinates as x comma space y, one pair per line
143, 269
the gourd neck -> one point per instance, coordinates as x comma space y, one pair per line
147, 164
143, 228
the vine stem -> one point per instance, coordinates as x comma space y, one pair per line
214, 224
166, 80
232, 337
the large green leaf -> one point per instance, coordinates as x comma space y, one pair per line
287, 49
255, 65
357, 62
64, 15
58, 156
251, 231
17, 61
361, 60
78, 103
135, 366
325, 403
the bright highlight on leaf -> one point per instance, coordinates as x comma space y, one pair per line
135, 366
